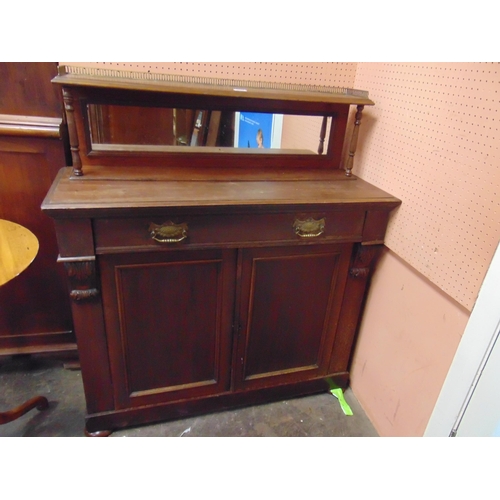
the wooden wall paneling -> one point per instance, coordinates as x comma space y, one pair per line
26, 90
35, 312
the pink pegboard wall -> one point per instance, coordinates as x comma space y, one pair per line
432, 140
337, 74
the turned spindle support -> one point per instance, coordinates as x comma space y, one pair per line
354, 141
322, 135
72, 133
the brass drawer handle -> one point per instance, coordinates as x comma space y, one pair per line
168, 232
309, 228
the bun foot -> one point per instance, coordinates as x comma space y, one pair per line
97, 433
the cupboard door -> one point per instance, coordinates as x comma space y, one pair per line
169, 323
288, 313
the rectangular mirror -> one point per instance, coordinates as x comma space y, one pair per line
116, 127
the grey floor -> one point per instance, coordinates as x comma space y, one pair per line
22, 378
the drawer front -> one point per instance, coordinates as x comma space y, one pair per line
156, 232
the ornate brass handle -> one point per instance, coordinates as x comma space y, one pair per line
168, 232
309, 228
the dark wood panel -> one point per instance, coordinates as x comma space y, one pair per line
168, 342
289, 305
131, 125
35, 305
169, 323
26, 89
93, 354
375, 226
75, 238
35, 311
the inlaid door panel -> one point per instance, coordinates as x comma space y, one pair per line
169, 321
288, 312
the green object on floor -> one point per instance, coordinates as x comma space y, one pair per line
343, 403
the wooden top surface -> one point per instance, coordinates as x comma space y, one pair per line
118, 190
18, 248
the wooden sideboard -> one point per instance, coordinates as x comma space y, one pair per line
202, 279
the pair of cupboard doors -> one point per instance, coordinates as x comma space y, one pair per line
188, 324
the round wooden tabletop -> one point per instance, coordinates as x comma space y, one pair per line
18, 248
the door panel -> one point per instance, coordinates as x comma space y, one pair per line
169, 322
289, 308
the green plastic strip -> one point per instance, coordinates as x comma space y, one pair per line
343, 403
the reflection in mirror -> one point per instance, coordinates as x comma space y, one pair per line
139, 128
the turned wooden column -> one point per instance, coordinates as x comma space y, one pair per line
322, 135
73, 136
354, 141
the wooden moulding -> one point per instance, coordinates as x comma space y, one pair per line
30, 126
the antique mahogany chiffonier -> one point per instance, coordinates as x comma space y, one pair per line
206, 271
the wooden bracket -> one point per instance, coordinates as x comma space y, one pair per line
82, 278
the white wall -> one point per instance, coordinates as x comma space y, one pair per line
473, 381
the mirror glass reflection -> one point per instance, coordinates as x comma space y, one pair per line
140, 128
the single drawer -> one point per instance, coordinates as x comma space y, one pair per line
149, 233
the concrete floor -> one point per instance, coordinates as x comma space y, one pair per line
23, 378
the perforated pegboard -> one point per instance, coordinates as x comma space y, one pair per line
340, 74
431, 139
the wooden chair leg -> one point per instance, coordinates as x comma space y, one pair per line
38, 402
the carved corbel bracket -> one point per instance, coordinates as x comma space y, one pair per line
363, 260
359, 272
82, 279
